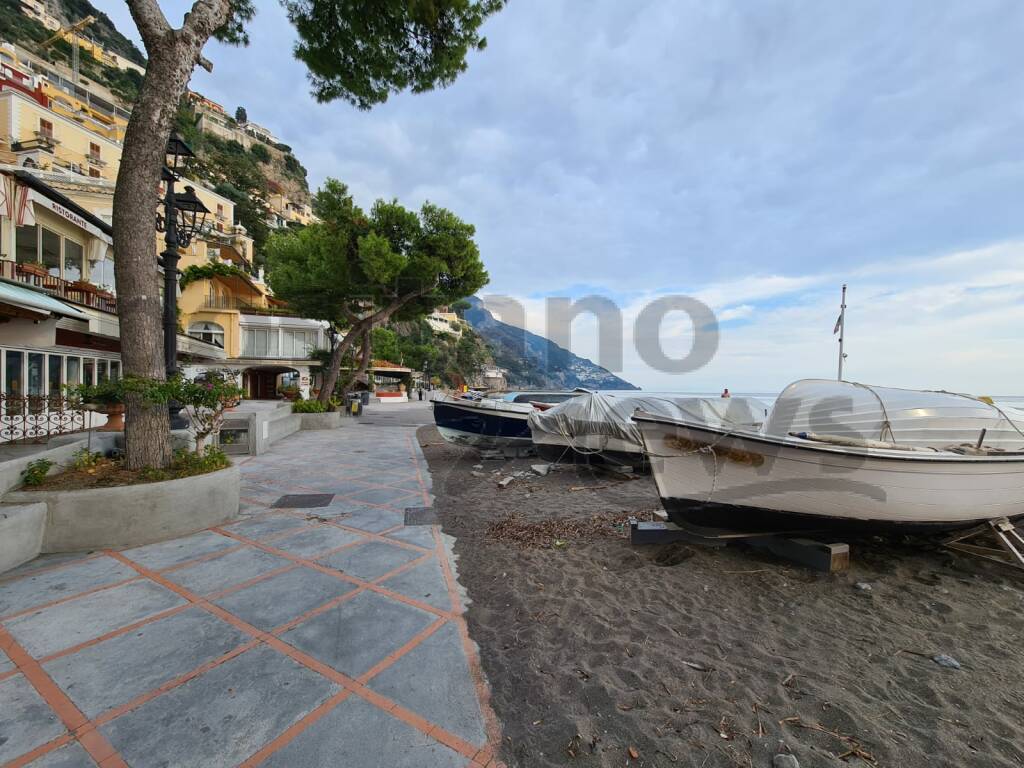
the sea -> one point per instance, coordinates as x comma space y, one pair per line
1013, 401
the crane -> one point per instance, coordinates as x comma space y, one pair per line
72, 30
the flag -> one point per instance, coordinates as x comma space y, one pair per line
839, 323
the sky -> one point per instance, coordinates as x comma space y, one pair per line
753, 155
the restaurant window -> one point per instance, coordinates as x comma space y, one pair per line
55, 374
73, 260
35, 373
101, 272
45, 128
13, 384
88, 369
115, 370
74, 370
50, 251
26, 245
211, 333
102, 373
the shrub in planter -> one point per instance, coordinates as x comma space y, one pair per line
308, 406
107, 396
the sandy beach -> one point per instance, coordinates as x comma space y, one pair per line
600, 653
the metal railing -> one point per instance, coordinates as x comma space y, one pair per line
77, 291
37, 418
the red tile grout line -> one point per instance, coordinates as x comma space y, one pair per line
42, 749
434, 731
74, 720
491, 725
394, 656
372, 536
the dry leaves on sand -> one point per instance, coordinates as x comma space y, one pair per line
556, 532
853, 747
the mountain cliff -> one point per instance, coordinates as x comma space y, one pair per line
536, 362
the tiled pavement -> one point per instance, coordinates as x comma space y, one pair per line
329, 636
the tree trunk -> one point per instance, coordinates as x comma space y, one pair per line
364, 360
172, 56
334, 367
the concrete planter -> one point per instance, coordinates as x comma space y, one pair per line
131, 515
321, 420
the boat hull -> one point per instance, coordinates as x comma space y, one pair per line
712, 478
589, 449
478, 427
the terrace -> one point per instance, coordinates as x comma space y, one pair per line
79, 292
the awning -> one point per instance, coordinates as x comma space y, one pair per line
26, 298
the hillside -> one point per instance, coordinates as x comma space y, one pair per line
102, 30
536, 362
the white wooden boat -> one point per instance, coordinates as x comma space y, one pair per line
598, 426
838, 453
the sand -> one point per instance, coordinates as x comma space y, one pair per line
603, 654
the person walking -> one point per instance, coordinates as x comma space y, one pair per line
419, 392
725, 392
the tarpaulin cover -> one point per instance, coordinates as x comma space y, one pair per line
910, 417
607, 415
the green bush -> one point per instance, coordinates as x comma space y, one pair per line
35, 472
187, 463
83, 458
308, 406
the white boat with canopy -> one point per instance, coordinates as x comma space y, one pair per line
841, 452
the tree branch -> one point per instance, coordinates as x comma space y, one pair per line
151, 22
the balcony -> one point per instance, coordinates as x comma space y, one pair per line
39, 142
77, 292
232, 302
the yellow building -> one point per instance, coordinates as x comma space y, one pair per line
51, 141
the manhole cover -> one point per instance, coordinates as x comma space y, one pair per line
421, 516
303, 500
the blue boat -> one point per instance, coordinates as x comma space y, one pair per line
497, 420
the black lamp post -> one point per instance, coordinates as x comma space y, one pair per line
183, 217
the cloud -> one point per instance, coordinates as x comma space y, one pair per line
750, 154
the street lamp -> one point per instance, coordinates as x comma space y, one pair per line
182, 218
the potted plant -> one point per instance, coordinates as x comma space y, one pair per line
289, 392
36, 268
106, 397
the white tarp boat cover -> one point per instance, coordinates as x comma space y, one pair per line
910, 417
610, 416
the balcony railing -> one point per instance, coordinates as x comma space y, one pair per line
232, 302
77, 291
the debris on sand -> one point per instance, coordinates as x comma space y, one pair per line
556, 532
505, 482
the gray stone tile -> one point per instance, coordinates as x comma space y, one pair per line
356, 733
371, 560
48, 586
355, 635
276, 600
316, 540
167, 553
265, 526
420, 535
226, 571
71, 755
6, 665
44, 561
114, 672
424, 583
25, 719
222, 716
391, 496
371, 519
61, 626
434, 681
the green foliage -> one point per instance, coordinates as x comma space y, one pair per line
460, 306
36, 471
308, 406
241, 116
293, 168
84, 459
187, 463
105, 393
19, 28
195, 272
351, 261
361, 52
102, 30
261, 153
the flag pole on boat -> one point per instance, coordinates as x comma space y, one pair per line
841, 330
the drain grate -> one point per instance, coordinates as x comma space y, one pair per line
303, 500
421, 516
